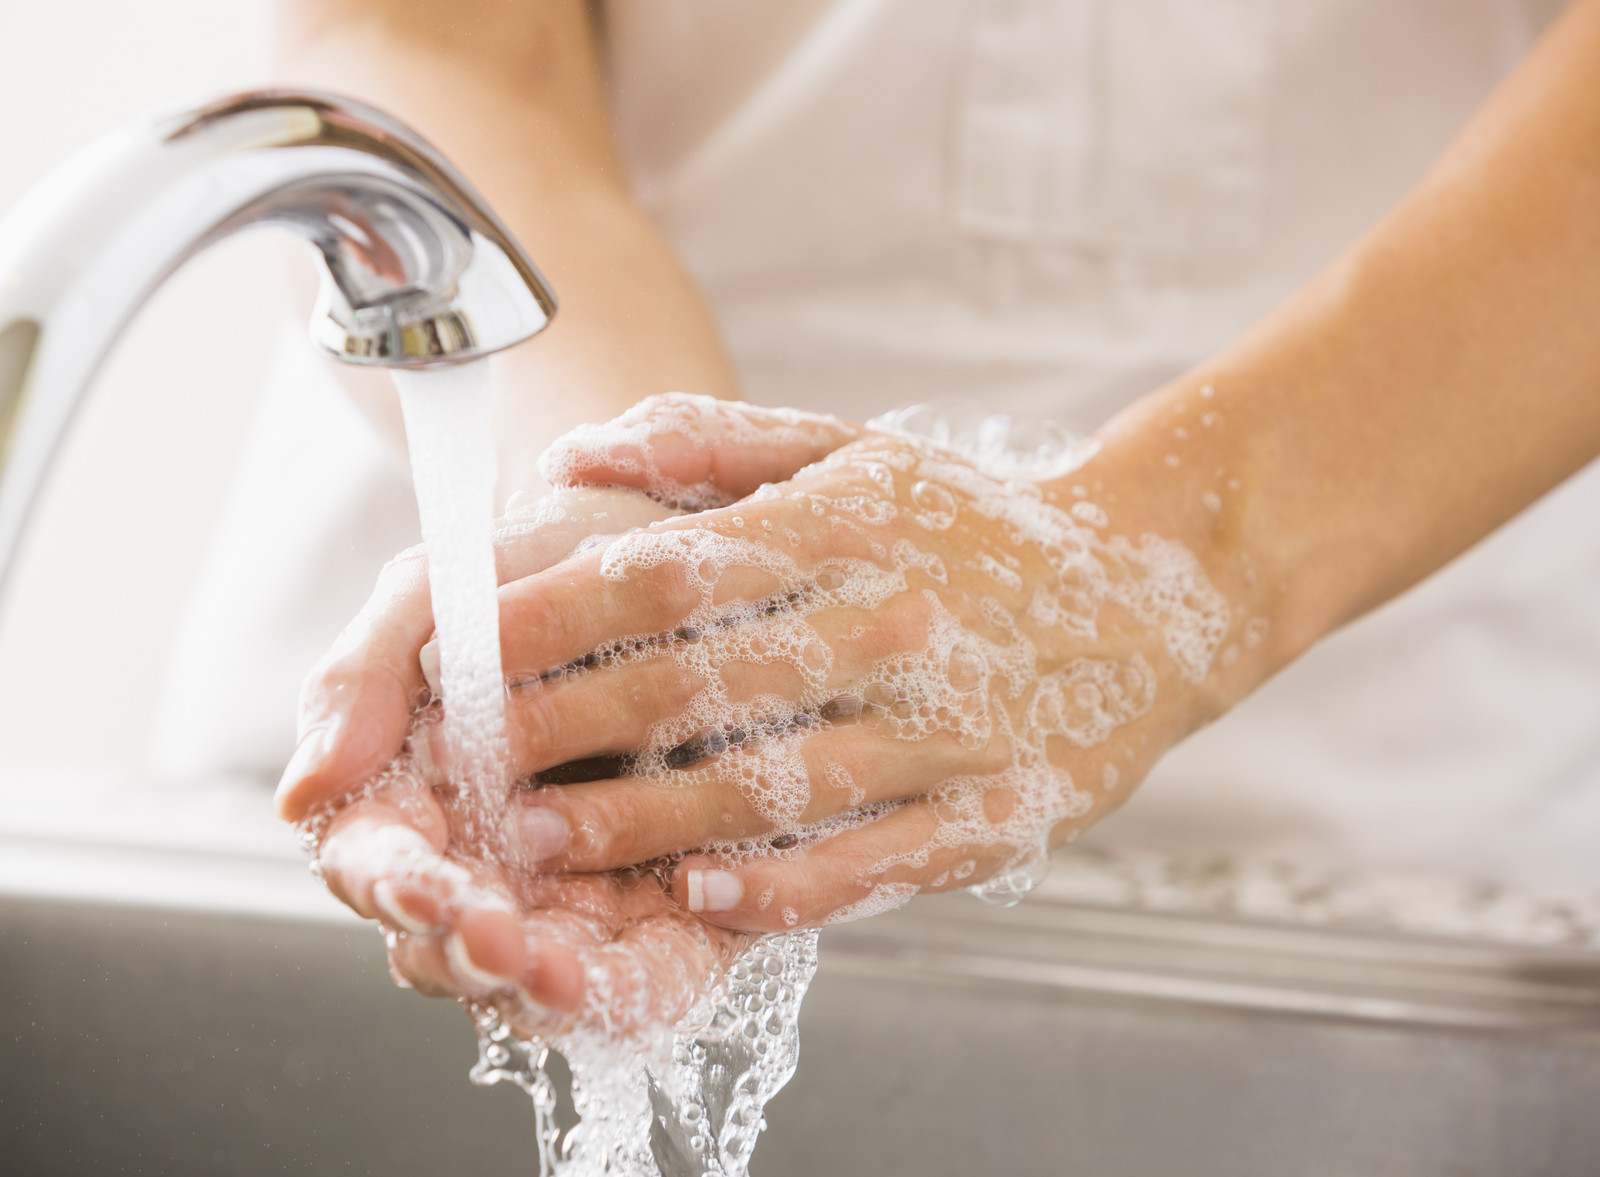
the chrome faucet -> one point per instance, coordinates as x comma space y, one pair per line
417, 271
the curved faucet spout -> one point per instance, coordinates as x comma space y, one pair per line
416, 270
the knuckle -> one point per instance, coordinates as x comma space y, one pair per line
837, 779
339, 668
403, 573
657, 593
610, 841
537, 730
535, 633
899, 627
367, 653
402, 582
347, 673
551, 615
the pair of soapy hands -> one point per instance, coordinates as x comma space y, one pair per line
563, 924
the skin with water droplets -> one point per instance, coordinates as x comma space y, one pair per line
895, 592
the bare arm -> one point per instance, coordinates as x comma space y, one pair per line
1437, 379
513, 94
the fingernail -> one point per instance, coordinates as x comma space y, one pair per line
388, 905
465, 967
428, 656
714, 890
308, 756
545, 832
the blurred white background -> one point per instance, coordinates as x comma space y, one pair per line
85, 625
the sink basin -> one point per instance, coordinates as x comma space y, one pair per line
178, 1001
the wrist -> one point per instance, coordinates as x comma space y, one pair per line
1179, 468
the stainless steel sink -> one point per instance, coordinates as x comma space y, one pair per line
176, 1002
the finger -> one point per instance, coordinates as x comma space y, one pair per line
694, 451
489, 953
562, 614
568, 630
453, 932
356, 704
745, 791
480, 951
535, 534
765, 764
612, 701
742, 564
582, 614
871, 868
598, 713
626, 974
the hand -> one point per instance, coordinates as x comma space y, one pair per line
897, 671
891, 673
548, 950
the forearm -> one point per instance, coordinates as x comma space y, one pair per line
1440, 377
512, 95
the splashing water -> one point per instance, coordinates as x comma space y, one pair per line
691, 1105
